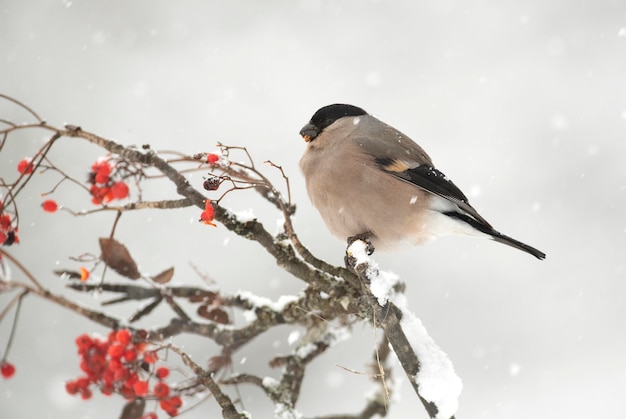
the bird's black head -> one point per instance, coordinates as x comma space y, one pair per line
326, 116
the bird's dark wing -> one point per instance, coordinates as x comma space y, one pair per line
431, 180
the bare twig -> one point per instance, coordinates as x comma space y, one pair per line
229, 411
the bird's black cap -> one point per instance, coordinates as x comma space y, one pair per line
326, 116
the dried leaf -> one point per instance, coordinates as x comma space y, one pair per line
133, 409
117, 257
216, 314
216, 363
200, 296
279, 361
164, 277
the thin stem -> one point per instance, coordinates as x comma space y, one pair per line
14, 325
23, 106
22, 268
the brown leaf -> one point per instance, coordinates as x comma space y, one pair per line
117, 257
216, 363
279, 361
203, 297
133, 409
217, 314
164, 277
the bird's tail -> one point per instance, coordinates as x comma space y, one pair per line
496, 235
501, 238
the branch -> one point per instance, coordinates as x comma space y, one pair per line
95, 316
428, 368
331, 292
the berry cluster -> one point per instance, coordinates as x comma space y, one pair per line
120, 365
105, 183
8, 231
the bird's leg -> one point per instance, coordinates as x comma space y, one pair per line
363, 237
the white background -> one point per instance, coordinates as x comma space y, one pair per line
522, 104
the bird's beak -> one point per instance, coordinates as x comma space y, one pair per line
309, 132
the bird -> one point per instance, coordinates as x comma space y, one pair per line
370, 181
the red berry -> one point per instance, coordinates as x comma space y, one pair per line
171, 405
161, 390
208, 214
119, 190
49, 205
141, 388
82, 383
85, 394
115, 364
84, 274
162, 372
108, 377
127, 393
106, 194
107, 390
150, 415
130, 355
132, 379
123, 336
7, 370
71, 387
150, 357
102, 164
25, 166
115, 351
84, 342
5, 221
120, 374
175, 401
102, 178
212, 158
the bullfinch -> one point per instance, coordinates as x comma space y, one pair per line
369, 180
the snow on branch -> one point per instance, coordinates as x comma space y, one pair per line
433, 374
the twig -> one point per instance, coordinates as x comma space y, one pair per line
229, 411
14, 324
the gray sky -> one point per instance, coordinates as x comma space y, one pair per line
522, 104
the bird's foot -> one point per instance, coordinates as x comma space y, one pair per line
364, 237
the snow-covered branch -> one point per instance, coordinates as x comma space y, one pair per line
334, 298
